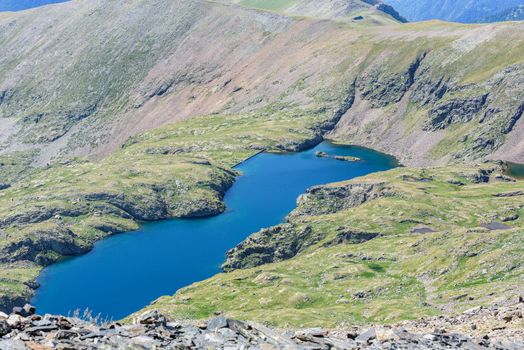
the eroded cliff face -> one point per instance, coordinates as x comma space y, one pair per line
426, 115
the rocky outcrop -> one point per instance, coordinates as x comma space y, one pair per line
284, 241
382, 88
429, 90
297, 146
5, 95
133, 205
38, 214
157, 202
270, 245
390, 10
509, 194
46, 127
8, 303
37, 248
461, 110
514, 119
485, 173
347, 236
322, 200
480, 328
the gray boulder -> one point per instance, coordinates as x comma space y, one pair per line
217, 323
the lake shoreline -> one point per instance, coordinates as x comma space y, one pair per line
42, 277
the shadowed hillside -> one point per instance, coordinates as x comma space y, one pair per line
512, 14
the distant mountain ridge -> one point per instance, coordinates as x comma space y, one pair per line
465, 11
83, 84
324, 9
17, 5
513, 14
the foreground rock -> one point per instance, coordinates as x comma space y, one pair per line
497, 327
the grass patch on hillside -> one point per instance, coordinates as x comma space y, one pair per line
176, 171
272, 5
401, 275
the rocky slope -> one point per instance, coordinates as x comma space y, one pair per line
499, 327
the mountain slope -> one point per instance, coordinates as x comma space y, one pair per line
59, 99
106, 79
466, 11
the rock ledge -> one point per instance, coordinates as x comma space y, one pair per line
151, 330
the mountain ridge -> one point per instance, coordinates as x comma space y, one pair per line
332, 9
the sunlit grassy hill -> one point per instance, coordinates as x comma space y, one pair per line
420, 245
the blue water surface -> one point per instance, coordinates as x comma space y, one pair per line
516, 170
18, 5
126, 272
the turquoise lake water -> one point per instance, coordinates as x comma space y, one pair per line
17, 5
516, 170
128, 271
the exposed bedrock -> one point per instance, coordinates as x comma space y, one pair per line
40, 245
415, 114
287, 240
23, 330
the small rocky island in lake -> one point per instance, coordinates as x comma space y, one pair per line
321, 154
